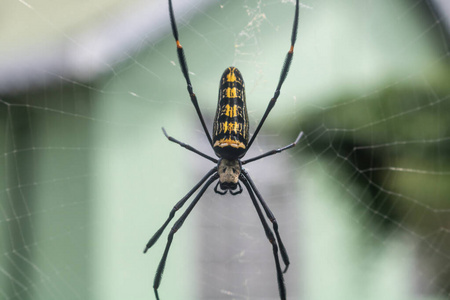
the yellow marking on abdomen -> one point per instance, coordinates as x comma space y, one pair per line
229, 127
231, 93
231, 77
229, 142
231, 111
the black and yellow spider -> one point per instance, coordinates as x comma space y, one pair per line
230, 142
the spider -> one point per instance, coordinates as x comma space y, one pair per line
230, 142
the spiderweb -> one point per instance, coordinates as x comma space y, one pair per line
87, 176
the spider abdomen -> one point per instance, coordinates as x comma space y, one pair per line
230, 132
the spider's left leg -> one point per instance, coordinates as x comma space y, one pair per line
270, 237
272, 219
190, 148
184, 70
272, 152
176, 226
177, 206
283, 75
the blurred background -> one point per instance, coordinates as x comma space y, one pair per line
87, 177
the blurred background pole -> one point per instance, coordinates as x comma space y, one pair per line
18, 202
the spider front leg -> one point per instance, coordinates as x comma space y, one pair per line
176, 226
185, 71
270, 237
284, 72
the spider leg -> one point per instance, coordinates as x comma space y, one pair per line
272, 219
283, 75
176, 226
184, 70
272, 152
270, 237
188, 147
177, 206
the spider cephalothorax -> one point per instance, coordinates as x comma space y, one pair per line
229, 172
230, 142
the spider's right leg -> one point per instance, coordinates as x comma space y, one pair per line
272, 152
176, 226
272, 219
270, 237
177, 206
184, 69
283, 75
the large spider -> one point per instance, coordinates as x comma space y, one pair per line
230, 142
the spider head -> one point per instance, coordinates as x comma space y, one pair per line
229, 171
